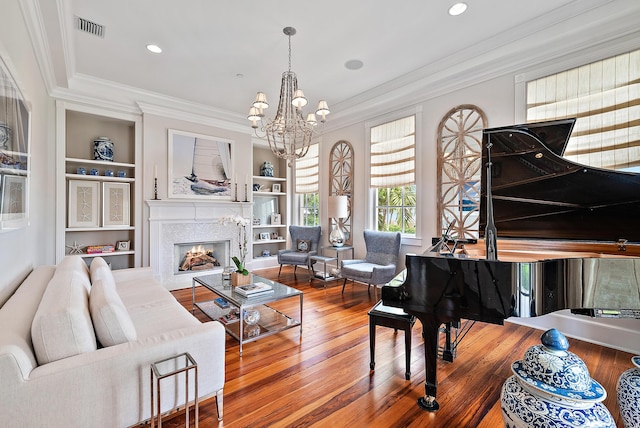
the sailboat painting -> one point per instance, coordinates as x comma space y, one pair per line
199, 166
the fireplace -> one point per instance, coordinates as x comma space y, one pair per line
199, 256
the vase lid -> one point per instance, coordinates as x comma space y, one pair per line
552, 369
636, 361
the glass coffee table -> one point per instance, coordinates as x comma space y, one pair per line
246, 318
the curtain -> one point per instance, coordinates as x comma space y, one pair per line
307, 171
604, 96
393, 153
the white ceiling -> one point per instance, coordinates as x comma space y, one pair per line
207, 44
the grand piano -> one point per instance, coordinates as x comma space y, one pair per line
530, 192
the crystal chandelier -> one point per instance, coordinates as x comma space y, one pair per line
288, 133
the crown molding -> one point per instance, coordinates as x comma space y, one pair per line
201, 117
35, 27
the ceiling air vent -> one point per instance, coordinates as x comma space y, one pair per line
89, 27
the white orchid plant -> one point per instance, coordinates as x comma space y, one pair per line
241, 223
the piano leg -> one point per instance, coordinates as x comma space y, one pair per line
430, 331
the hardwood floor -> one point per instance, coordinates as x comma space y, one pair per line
322, 378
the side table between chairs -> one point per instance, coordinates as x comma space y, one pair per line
168, 367
396, 318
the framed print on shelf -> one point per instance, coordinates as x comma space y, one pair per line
265, 236
199, 166
123, 245
276, 218
13, 206
115, 204
84, 203
275, 188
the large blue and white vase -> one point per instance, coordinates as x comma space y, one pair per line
552, 387
628, 390
103, 149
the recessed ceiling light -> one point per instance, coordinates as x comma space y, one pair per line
154, 48
457, 9
354, 64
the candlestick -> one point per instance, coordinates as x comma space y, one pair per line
155, 189
236, 195
246, 192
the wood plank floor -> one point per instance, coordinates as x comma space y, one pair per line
322, 378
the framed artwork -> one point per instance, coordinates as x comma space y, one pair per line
263, 207
265, 236
115, 204
15, 127
276, 188
276, 218
123, 245
199, 166
13, 206
84, 203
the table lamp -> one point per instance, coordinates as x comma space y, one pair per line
338, 208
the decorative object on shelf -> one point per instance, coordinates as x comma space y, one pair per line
115, 204
81, 171
256, 187
83, 203
341, 170
266, 253
108, 173
256, 221
241, 224
288, 134
123, 245
338, 209
99, 249
75, 248
276, 188
200, 167
121, 173
266, 169
5, 136
276, 218
549, 384
264, 236
274, 235
103, 149
94, 171
251, 316
628, 395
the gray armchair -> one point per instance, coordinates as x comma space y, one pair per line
380, 263
305, 241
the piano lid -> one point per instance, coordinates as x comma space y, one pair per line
538, 194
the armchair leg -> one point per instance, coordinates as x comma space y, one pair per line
343, 284
294, 270
279, 270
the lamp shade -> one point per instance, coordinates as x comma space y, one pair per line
338, 206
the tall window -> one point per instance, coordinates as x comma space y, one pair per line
393, 175
604, 96
307, 188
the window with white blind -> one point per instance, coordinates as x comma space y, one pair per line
604, 96
307, 187
393, 147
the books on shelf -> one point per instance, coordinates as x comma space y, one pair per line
97, 249
229, 318
221, 302
256, 288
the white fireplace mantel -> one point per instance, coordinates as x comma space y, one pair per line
176, 220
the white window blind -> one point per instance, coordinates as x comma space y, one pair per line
604, 96
393, 151
307, 171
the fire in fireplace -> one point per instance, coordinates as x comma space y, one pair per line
199, 256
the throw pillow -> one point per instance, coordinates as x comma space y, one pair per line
111, 320
303, 245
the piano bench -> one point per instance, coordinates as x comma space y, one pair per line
396, 318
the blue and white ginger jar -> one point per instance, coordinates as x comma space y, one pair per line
266, 170
628, 390
551, 387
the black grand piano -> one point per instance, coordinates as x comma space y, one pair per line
534, 193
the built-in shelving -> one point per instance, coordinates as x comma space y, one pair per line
77, 127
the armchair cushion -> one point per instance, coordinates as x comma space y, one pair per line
303, 245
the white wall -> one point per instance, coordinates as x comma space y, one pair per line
22, 249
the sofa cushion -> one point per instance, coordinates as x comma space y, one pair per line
100, 270
111, 320
62, 325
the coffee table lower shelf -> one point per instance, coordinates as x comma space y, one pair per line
271, 321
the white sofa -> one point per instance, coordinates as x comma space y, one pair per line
55, 370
